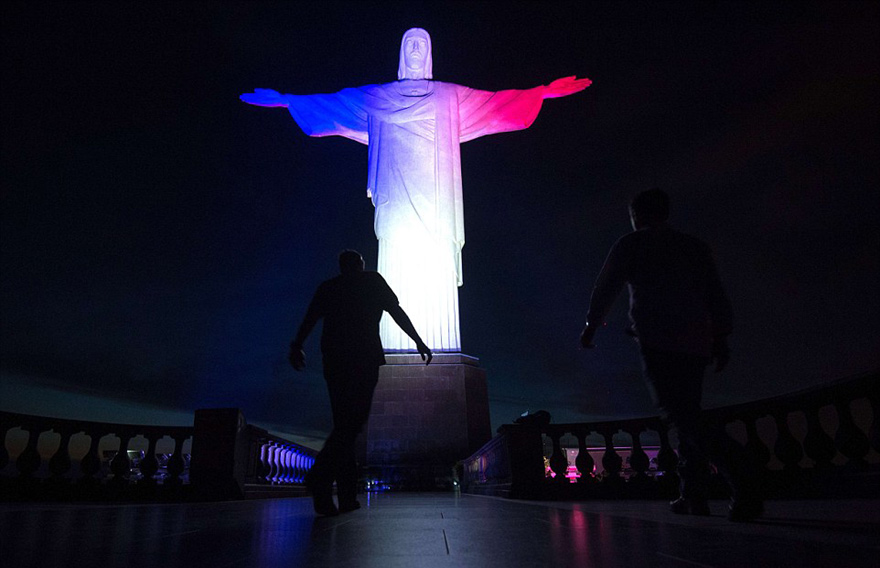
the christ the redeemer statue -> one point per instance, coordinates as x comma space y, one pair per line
413, 128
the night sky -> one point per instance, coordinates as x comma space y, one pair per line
161, 239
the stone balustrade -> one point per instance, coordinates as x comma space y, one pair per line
281, 462
220, 457
34, 473
818, 442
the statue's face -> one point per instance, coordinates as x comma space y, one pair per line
415, 52
415, 56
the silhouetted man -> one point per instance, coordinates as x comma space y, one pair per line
681, 318
351, 305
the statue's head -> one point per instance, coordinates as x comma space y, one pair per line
415, 56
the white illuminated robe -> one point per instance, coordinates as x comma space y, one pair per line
413, 129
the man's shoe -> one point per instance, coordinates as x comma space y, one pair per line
322, 497
323, 501
349, 506
744, 510
683, 506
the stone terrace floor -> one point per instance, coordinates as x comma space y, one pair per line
435, 529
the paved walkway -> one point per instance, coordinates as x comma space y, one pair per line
428, 530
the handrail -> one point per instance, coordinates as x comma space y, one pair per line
227, 454
839, 434
121, 470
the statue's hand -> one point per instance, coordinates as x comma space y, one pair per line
265, 98
566, 86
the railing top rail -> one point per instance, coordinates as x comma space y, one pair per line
13, 419
861, 385
258, 432
857, 386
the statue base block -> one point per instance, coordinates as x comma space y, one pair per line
425, 419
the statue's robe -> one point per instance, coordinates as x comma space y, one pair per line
413, 129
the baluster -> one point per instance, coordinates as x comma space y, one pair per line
309, 463
263, 473
297, 467
638, 460
754, 446
611, 460
59, 464
176, 465
787, 448
584, 461
874, 431
285, 463
667, 462
667, 459
558, 461
149, 464
5, 427
90, 464
817, 443
850, 440
29, 460
294, 465
120, 465
291, 465
306, 463
273, 462
300, 466
300, 462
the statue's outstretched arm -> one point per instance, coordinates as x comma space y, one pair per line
265, 98
566, 86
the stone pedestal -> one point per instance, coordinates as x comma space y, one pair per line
424, 419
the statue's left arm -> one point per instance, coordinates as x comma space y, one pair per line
485, 112
565, 86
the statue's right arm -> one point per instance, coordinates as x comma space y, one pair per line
265, 98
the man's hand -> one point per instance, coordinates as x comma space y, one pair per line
566, 86
297, 358
587, 336
720, 353
426, 353
265, 98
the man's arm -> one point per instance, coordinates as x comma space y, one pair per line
297, 356
406, 325
611, 279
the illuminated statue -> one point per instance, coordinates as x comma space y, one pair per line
413, 128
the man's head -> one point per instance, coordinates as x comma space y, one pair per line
350, 261
649, 208
415, 56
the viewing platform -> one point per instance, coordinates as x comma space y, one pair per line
225, 493
425, 530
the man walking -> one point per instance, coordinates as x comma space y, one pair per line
681, 318
351, 305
